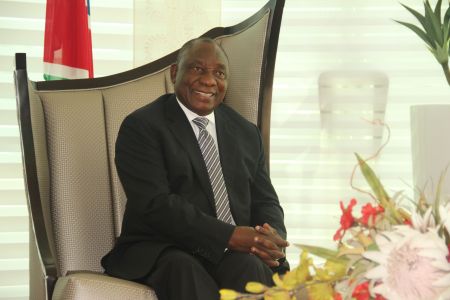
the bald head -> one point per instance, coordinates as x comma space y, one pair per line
189, 44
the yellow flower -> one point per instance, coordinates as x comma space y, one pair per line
277, 295
302, 271
226, 294
336, 270
320, 291
255, 287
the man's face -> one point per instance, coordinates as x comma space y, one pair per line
200, 78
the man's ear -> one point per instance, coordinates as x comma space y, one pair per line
173, 72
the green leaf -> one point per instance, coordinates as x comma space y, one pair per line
438, 196
360, 267
420, 33
441, 54
447, 27
447, 17
416, 14
432, 19
379, 191
373, 181
322, 252
446, 35
373, 247
429, 26
437, 10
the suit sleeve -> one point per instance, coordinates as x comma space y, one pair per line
155, 210
265, 204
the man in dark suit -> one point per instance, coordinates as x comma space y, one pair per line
195, 223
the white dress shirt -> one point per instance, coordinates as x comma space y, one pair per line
211, 127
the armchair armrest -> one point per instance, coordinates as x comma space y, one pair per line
90, 285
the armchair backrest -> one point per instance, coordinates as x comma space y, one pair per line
69, 127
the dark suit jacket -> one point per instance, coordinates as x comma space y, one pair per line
170, 201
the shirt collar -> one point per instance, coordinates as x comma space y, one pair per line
192, 115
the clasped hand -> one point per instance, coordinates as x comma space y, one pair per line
263, 241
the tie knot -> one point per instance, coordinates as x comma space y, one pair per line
201, 122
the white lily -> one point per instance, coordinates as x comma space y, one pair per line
444, 213
423, 223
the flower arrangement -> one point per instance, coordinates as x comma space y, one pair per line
385, 252
435, 32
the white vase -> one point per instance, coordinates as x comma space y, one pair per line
349, 101
430, 145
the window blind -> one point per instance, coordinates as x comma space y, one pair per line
22, 24
309, 167
311, 164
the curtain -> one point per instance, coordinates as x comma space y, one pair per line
162, 26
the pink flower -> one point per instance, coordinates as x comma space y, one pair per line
411, 265
347, 219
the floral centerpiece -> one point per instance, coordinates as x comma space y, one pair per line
384, 252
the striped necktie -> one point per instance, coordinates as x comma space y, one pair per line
212, 161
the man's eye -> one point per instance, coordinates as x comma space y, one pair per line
220, 74
197, 69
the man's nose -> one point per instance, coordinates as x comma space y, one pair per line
207, 78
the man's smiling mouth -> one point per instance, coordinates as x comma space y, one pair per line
205, 94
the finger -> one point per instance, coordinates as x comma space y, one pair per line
266, 243
271, 263
282, 243
261, 253
266, 229
272, 234
265, 257
262, 230
268, 253
275, 239
270, 228
279, 240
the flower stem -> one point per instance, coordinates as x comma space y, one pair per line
446, 71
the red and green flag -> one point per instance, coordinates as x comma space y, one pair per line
68, 42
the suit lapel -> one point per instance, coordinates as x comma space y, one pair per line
182, 130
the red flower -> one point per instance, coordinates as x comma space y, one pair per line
407, 222
368, 211
337, 296
347, 220
361, 292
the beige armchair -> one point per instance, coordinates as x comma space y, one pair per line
68, 130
